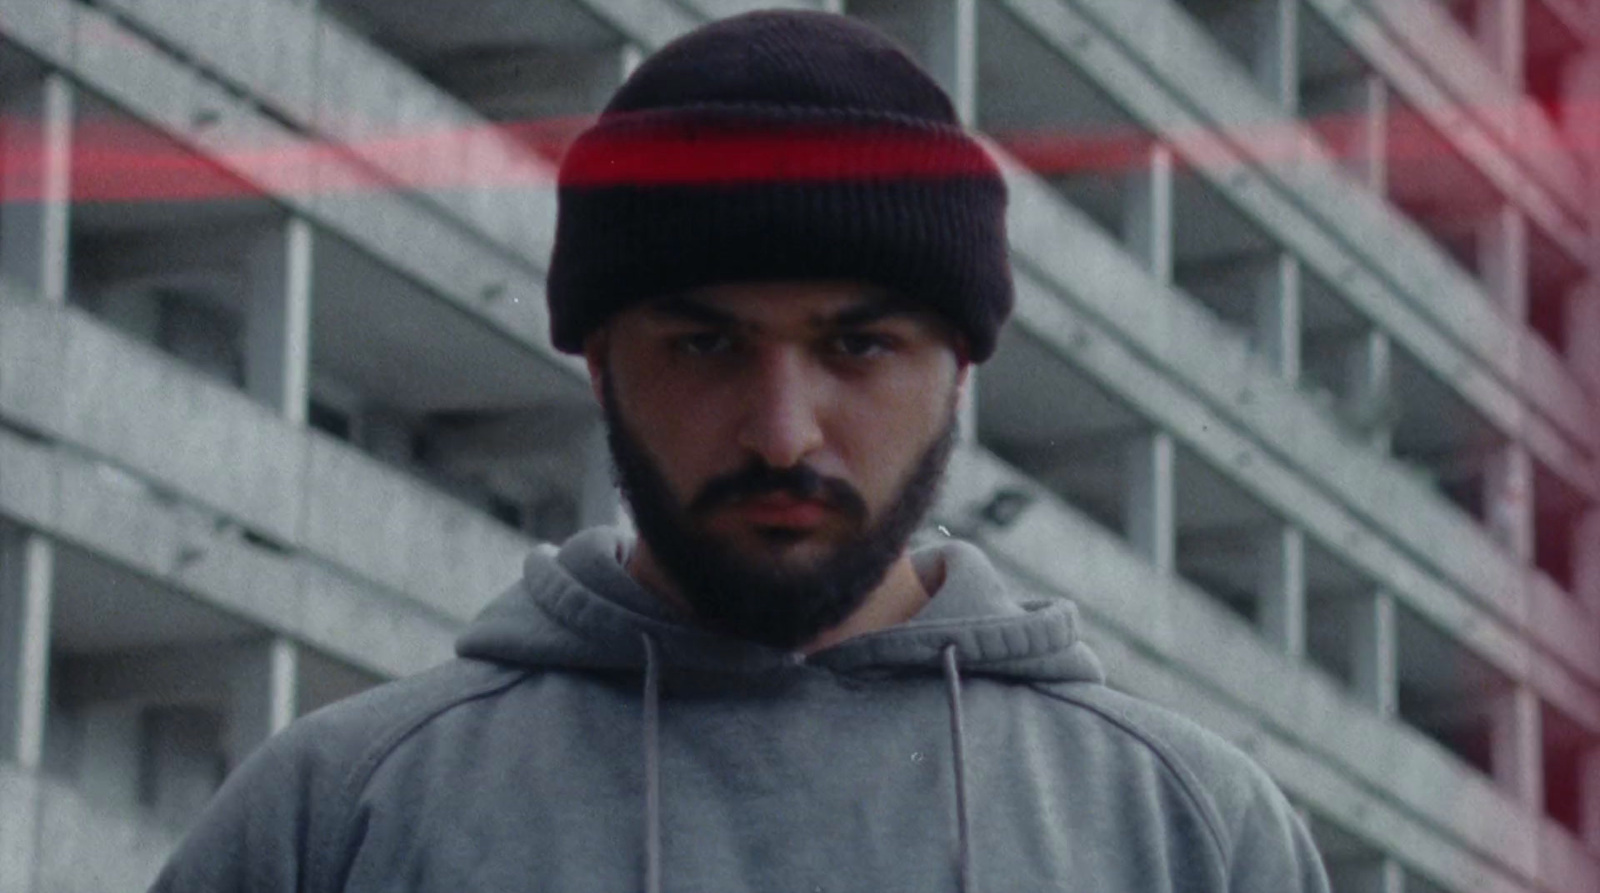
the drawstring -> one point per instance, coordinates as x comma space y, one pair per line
952, 679
652, 767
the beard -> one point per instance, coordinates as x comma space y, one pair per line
764, 598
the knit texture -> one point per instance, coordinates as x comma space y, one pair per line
779, 145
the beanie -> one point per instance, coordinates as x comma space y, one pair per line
779, 145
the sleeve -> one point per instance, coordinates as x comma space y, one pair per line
269, 829
1272, 849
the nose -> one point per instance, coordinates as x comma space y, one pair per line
781, 422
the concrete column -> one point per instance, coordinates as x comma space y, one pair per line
1582, 319
967, 409
1503, 260
278, 321
1499, 26
1276, 60
1586, 560
1147, 217
1369, 396
1589, 798
1373, 167
1580, 89
964, 47
1356, 128
1508, 499
27, 572
263, 685
1277, 316
1373, 654
942, 35
36, 178
1150, 513
1516, 753
1281, 589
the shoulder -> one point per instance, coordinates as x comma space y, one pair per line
359, 730
1255, 830
284, 819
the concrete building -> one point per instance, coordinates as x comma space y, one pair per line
1301, 401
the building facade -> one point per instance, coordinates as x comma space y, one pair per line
1301, 401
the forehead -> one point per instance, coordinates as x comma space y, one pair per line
782, 305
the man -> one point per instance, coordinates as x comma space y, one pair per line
780, 256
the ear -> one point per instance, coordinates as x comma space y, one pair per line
594, 355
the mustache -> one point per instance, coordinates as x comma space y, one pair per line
800, 482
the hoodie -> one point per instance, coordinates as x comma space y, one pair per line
585, 739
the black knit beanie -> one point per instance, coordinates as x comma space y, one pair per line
779, 145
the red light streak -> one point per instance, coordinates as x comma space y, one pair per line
122, 161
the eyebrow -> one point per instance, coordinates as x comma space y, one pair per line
865, 313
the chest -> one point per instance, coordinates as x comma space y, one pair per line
836, 790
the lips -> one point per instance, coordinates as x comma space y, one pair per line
782, 511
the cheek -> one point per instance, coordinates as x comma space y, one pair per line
679, 431
882, 438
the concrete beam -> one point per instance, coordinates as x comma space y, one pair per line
1400, 518
1150, 513
1281, 589
27, 572
1416, 46
1372, 776
278, 320
1147, 216
1516, 751
1391, 274
36, 166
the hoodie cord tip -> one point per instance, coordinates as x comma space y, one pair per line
952, 677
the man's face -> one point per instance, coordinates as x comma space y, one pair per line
777, 443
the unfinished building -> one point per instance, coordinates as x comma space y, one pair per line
1301, 401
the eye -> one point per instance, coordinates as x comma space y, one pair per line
860, 345
702, 344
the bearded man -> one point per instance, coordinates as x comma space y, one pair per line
780, 256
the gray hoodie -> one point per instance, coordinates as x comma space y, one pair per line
586, 740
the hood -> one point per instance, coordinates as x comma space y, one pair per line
578, 608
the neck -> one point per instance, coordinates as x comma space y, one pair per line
896, 599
